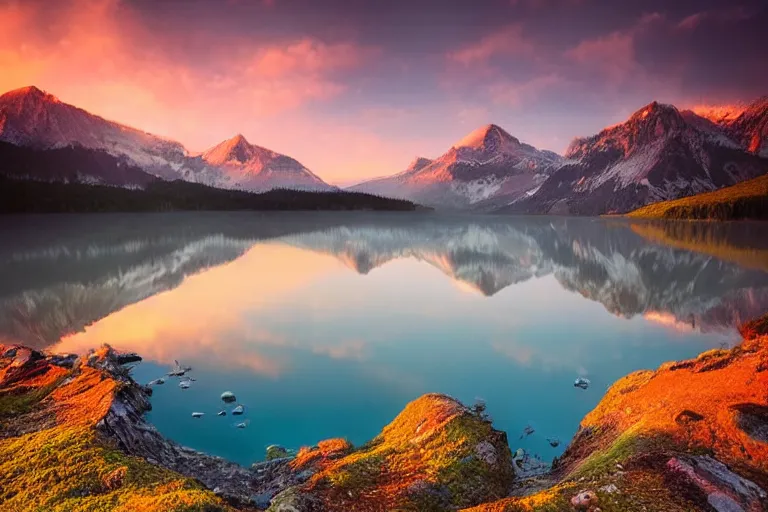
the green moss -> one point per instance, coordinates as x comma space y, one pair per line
65, 469
359, 475
605, 460
16, 403
276, 452
468, 478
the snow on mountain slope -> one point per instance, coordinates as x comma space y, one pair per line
254, 168
659, 153
32, 118
487, 167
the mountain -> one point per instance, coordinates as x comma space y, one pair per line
487, 168
751, 127
37, 120
33, 118
70, 164
254, 168
658, 154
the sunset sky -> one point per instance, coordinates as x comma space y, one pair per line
356, 89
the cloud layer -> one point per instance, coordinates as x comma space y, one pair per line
358, 90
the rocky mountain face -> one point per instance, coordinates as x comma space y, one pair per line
485, 169
32, 118
751, 127
251, 167
39, 121
70, 164
658, 154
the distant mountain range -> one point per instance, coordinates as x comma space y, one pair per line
38, 121
660, 153
486, 168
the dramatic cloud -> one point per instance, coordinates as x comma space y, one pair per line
357, 89
505, 42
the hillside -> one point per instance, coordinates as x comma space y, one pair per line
746, 200
21, 196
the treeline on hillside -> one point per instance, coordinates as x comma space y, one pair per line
755, 208
25, 196
745, 200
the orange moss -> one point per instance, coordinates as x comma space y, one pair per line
694, 403
84, 400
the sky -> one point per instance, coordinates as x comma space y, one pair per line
355, 89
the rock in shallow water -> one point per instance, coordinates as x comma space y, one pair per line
228, 397
275, 451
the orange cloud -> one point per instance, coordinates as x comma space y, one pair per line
307, 56
99, 55
508, 41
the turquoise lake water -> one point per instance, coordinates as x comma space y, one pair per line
326, 325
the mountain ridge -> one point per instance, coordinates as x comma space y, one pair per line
486, 166
31, 117
659, 153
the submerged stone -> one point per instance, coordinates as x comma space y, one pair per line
582, 383
228, 397
238, 410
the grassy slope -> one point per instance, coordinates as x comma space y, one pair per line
746, 200
52, 458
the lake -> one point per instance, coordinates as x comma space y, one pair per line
327, 324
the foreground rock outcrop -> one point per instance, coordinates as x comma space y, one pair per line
690, 436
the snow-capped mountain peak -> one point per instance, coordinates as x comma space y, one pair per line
488, 137
484, 168
252, 167
30, 117
236, 150
658, 153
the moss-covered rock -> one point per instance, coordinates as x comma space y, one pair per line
436, 455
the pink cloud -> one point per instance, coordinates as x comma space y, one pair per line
307, 56
613, 55
505, 42
97, 55
515, 93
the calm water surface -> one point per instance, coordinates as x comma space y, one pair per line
326, 325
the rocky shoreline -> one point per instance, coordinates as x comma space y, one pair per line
692, 435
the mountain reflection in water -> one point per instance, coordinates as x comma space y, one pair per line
307, 307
